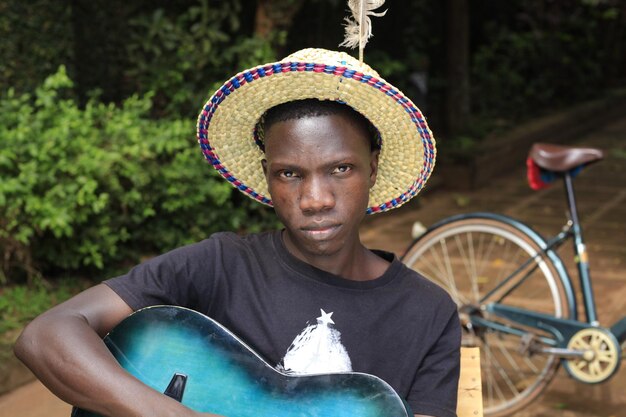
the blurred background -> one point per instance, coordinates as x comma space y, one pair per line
98, 99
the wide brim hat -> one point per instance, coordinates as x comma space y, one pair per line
227, 125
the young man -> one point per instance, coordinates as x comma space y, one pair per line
328, 141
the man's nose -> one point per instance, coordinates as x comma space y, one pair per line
316, 195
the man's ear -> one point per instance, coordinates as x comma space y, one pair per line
264, 165
374, 166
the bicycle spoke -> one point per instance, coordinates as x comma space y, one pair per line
489, 382
483, 253
450, 274
606, 356
509, 358
438, 268
504, 272
530, 364
432, 270
485, 260
500, 370
492, 385
470, 244
441, 268
468, 262
595, 368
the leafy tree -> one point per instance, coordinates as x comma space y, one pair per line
187, 56
543, 54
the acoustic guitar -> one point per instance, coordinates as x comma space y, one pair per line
197, 361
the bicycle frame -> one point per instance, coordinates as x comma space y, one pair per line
562, 329
580, 253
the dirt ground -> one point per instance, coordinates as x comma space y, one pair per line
601, 191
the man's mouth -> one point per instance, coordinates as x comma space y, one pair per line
321, 230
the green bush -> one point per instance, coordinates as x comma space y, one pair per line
87, 188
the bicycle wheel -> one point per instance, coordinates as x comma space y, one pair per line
469, 256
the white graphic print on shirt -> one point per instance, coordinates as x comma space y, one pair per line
317, 349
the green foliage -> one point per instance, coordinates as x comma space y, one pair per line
184, 57
83, 188
36, 38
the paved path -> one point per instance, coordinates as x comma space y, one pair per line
602, 198
33, 400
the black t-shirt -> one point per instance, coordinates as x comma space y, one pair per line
400, 327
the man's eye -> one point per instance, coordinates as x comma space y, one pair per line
288, 174
341, 169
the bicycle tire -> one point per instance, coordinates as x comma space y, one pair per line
468, 255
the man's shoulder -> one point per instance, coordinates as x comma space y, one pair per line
425, 288
230, 245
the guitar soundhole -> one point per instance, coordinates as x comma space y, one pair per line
176, 387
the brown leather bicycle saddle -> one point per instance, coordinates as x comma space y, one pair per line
559, 158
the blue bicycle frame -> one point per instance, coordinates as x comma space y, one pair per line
562, 329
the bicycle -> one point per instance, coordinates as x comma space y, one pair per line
515, 297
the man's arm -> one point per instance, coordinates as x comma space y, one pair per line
64, 349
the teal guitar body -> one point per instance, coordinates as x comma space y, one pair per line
195, 360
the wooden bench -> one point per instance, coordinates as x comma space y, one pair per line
470, 398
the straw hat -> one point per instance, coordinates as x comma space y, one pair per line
229, 140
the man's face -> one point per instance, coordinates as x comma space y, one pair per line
319, 171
